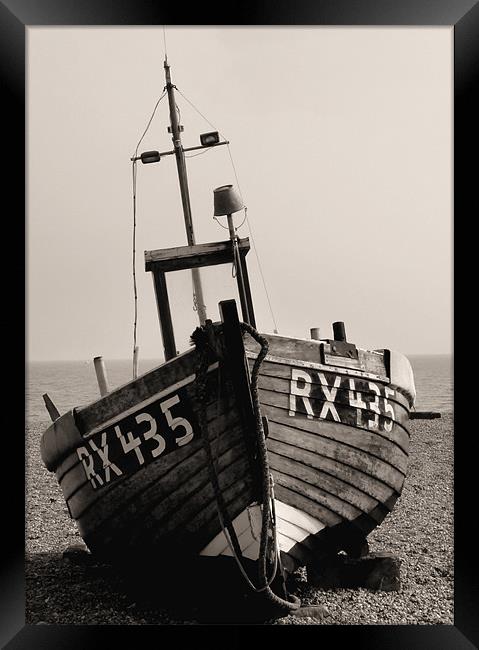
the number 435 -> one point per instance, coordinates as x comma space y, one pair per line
130, 443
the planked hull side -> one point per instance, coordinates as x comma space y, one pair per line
338, 444
135, 476
133, 468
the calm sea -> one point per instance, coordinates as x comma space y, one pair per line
73, 383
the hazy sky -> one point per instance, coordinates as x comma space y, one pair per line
341, 139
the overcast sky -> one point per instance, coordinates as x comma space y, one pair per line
341, 138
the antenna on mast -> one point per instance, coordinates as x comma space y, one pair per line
164, 43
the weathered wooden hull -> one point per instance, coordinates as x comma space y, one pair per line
338, 443
135, 475
133, 469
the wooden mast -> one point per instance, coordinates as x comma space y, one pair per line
185, 197
193, 255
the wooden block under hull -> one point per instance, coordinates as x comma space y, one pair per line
379, 571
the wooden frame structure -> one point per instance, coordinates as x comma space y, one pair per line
160, 262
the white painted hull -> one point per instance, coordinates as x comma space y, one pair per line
294, 529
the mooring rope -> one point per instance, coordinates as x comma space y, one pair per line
268, 540
268, 515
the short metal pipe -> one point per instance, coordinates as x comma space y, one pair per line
101, 375
314, 333
339, 331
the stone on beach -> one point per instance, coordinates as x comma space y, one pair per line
419, 531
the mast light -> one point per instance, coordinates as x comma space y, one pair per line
150, 157
207, 139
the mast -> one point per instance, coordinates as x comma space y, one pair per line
185, 196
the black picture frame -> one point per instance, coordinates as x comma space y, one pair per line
15, 17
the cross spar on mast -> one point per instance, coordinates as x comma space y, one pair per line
185, 196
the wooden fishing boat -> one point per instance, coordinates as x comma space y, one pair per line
182, 460
162, 465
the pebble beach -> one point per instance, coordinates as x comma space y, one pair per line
419, 531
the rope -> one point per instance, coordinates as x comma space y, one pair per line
134, 177
268, 515
135, 293
149, 122
268, 540
254, 245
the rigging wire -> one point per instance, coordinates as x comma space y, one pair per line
134, 177
199, 112
246, 213
254, 245
200, 153
149, 122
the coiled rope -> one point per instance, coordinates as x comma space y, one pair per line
268, 542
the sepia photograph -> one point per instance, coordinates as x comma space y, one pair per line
239, 386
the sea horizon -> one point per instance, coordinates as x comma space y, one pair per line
161, 359
71, 383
